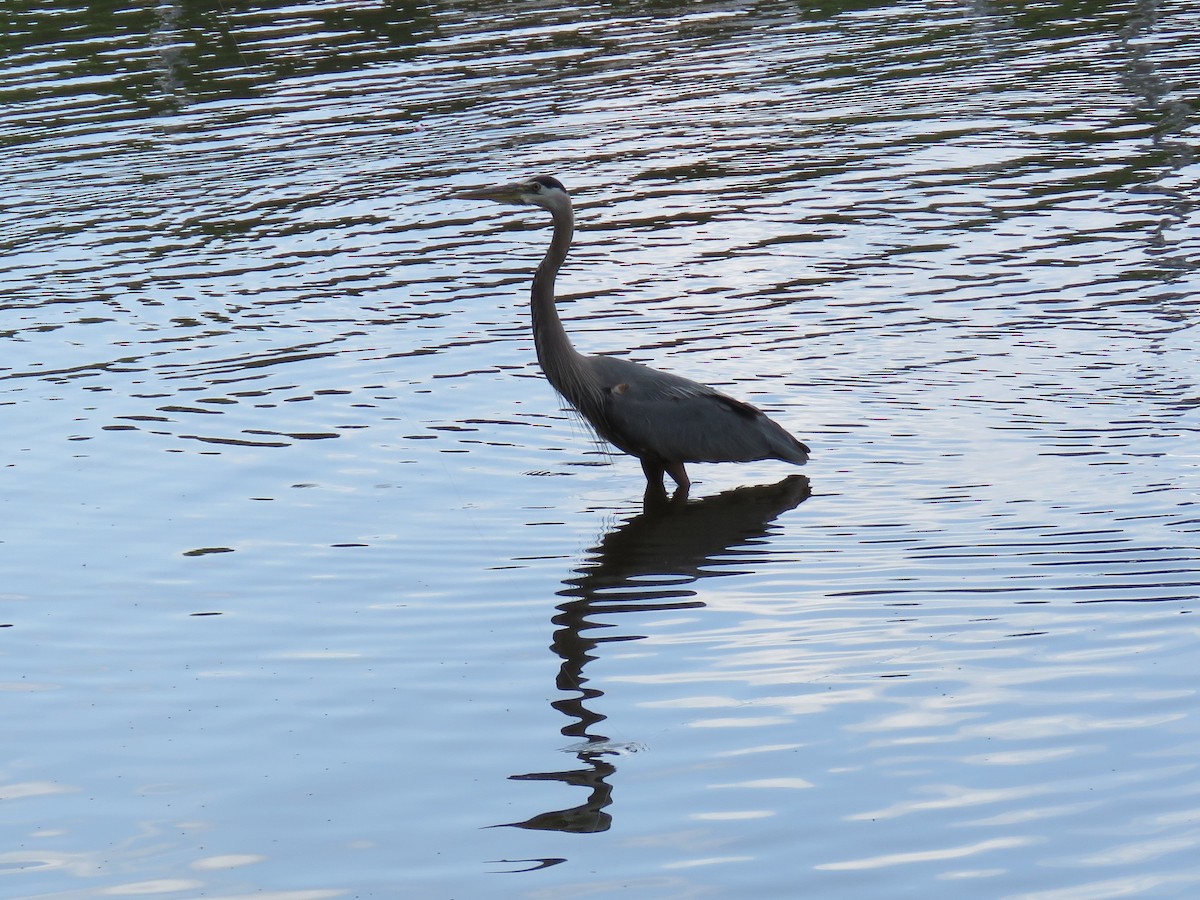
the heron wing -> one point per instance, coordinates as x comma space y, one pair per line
667, 418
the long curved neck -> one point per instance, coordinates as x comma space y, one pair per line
558, 359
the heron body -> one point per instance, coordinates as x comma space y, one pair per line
662, 419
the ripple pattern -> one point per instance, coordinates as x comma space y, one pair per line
299, 544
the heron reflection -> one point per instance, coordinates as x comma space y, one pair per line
646, 564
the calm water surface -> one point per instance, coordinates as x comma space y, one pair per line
311, 589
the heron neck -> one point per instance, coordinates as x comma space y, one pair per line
555, 354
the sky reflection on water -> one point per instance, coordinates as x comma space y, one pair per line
310, 584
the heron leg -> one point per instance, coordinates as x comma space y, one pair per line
678, 474
654, 472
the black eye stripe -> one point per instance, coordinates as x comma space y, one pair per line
547, 181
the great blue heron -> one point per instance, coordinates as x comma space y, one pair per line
662, 419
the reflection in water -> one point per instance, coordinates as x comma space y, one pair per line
960, 240
644, 565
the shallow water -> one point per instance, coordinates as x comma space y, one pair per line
312, 589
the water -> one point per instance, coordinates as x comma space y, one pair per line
312, 589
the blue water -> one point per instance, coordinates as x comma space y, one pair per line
311, 588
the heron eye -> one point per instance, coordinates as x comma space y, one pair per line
535, 187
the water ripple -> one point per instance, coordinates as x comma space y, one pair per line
283, 538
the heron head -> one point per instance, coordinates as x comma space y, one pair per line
544, 191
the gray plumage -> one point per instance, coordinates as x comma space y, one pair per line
662, 419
